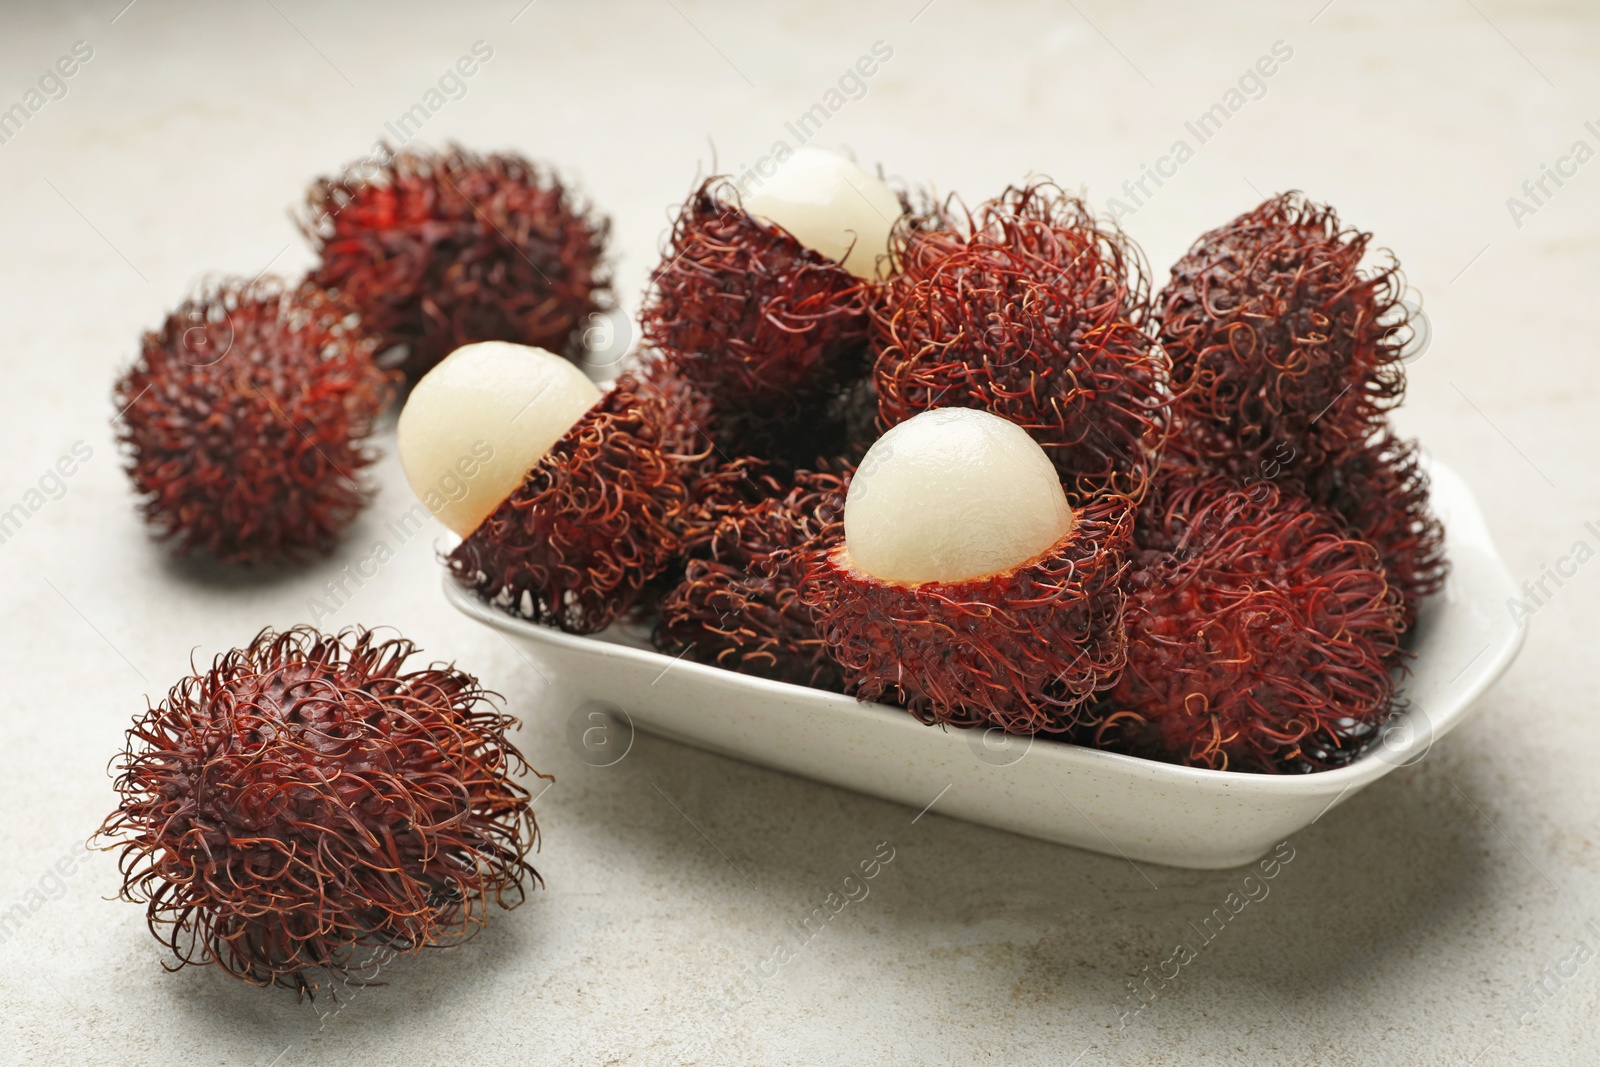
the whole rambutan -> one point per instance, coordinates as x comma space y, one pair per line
1033, 313
243, 422
591, 523
745, 314
440, 249
1260, 635
1380, 491
308, 798
1276, 333
737, 605
965, 588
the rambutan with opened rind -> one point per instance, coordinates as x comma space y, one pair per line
744, 313
593, 521
1025, 649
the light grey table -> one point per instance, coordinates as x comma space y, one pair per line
1415, 924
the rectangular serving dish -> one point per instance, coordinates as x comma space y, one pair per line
1072, 795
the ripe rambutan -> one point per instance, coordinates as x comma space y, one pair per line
1380, 491
1033, 313
1259, 634
575, 508
308, 798
760, 303
737, 605
965, 588
243, 422
1277, 335
440, 249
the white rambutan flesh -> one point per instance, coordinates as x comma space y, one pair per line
831, 206
479, 421
951, 495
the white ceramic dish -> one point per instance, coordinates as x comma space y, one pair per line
1119, 805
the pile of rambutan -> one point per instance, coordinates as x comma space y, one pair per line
993, 480
1249, 541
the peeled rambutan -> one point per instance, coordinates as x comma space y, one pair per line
243, 422
1033, 313
1277, 335
590, 524
965, 588
737, 605
1260, 635
308, 798
440, 249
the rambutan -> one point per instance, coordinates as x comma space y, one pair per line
760, 304
1277, 335
1259, 634
965, 588
575, 544
1033, 312
440, 249
737, 605
1380, 491
308, 798
744, 313
243, 422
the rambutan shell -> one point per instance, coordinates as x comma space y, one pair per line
737, 605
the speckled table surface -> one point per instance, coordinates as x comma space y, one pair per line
1448, 914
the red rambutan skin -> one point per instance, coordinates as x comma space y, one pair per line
308, 797
442, 249
1380, 491
594, 521
737, 605
763, 326
1259, 635
1033, 313
1024, 650
243, 422
1277, 335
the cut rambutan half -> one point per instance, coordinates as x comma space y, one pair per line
243, 423
1277, 335
310, 799
1260, 635
965, 588
440, 249
1033, 313
566, 503
737, 605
